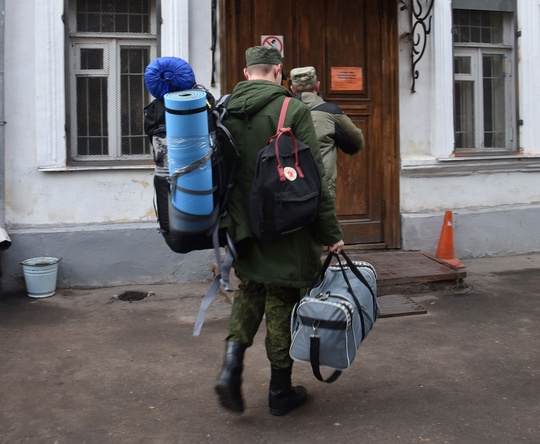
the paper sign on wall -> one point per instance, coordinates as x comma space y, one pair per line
347, 78
273, 40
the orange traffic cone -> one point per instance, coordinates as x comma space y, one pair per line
445, 250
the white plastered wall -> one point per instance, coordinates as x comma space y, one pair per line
496, 202
100, 220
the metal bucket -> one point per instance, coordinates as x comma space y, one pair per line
40, 274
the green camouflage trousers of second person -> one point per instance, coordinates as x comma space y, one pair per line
251, 303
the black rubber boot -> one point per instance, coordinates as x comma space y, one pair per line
282, 396
229, 382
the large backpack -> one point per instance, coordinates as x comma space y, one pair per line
224, 160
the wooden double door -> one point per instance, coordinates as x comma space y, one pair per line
353, 46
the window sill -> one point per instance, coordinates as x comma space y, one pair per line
467, 166
61, 169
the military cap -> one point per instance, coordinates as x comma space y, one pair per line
303, 76
263, 55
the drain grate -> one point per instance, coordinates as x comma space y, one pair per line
399, 305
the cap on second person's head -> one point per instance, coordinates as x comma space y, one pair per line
303, 76
263, 55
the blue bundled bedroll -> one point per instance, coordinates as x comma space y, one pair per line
168, 74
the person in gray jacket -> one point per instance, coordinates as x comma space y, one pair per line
333, 127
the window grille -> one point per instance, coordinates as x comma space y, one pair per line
485, 114
110, 44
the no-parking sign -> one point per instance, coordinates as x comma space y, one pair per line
273, 40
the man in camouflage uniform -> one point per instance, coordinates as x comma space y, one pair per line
271, 272
333, 127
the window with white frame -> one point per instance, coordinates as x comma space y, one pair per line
110, 44
485, 110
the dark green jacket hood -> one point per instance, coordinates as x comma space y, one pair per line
251, 96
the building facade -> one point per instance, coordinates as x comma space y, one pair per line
444, 90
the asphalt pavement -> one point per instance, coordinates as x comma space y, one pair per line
85, 366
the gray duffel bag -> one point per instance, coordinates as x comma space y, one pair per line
335, 316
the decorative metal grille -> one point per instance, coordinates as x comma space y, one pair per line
111, 16
420, 11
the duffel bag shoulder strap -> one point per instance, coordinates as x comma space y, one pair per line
362, 279
356, 301
357, 273
314, 347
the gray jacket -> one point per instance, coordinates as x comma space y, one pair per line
334, 130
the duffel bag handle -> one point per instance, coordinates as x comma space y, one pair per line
320, 274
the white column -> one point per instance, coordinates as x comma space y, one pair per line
49, 84
442, 125
528, 69
175, 28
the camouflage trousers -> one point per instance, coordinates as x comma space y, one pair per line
252, 302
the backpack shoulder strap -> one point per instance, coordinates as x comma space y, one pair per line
154, 117
220, 109
328, 107
224, 100
281, 122
224, 265
220, 279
